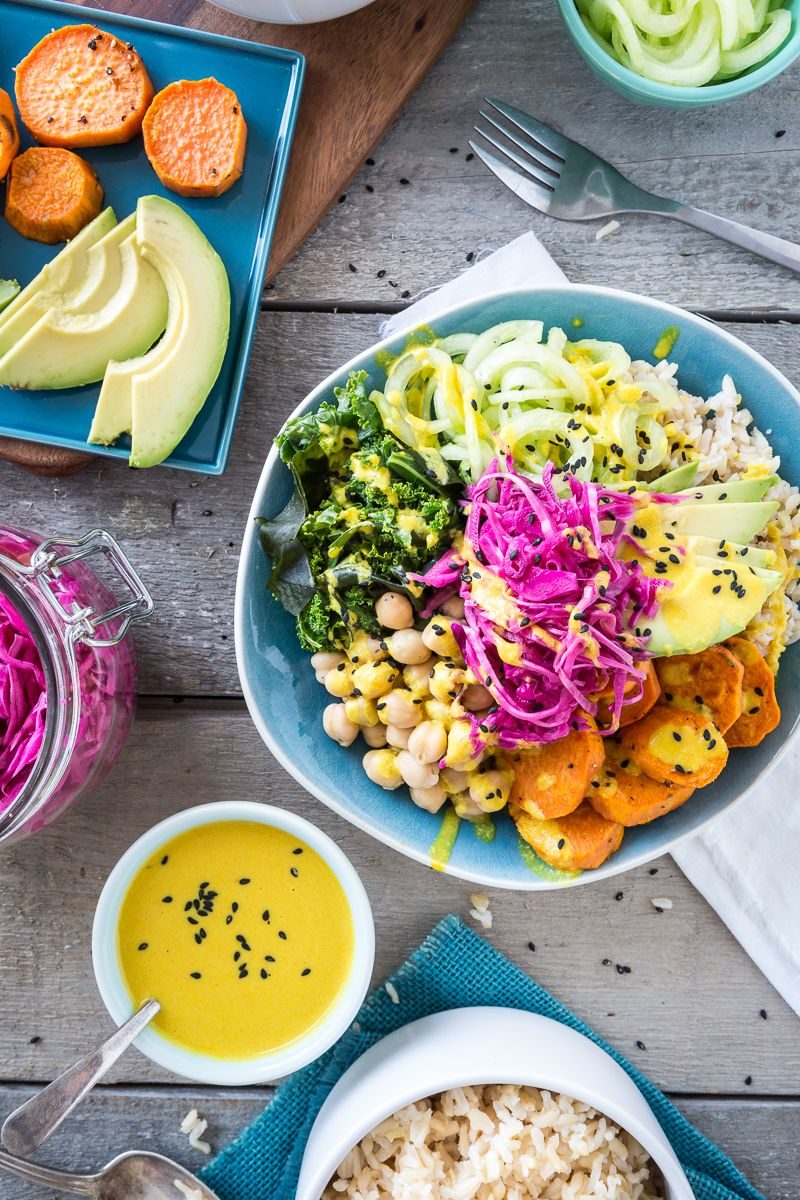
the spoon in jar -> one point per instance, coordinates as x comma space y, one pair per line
30, 1124
138, 1175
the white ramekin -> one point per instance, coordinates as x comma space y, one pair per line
201, 1067
477, 1046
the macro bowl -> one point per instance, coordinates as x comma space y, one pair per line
286, 702
474, 1047
663, 95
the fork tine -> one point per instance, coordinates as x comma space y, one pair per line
556, 144
525, 165
539, 157
532, 192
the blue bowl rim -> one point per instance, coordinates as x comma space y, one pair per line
679, 94
672, 314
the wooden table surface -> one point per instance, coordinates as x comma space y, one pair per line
694, 1013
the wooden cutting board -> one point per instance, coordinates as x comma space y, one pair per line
361, 70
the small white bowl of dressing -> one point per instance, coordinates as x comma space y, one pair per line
292, 12
472, 1047
253, 931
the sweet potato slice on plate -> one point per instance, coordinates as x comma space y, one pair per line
51, 194
676, 745
195, 137
9, 134
760, 710
550, 779
709, 682
633, 710
620, 791
580, 841
80, 86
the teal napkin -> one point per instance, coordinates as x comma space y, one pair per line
453, 968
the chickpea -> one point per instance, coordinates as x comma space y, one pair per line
446, 682
466, 807
476, 698
407, 646
431, 799
365, 648
324, 661
417, 677
453, 781
454, 607
338, 725
374, 679
438, 636
381, 767
394, 611
428, 742
361, 711
339, 681
397, 737
416, 774
444, 713
374, 735
489, 789
460, 748
400, 708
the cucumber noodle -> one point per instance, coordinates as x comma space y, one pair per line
687, 43
466, 398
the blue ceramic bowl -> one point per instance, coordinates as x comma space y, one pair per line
286, 702
643, 91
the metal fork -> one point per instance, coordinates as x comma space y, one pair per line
565, 180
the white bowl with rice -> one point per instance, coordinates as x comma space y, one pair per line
481, 1102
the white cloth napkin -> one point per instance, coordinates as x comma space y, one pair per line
746, 864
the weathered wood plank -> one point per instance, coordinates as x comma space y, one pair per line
184, 533
760, 1136
684, 963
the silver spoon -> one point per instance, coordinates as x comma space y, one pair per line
30, 1124
138, 1175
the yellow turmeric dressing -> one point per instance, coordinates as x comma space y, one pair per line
242, 933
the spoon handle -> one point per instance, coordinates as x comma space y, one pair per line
30, 1124
76, 1185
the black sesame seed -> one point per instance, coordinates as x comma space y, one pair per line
244, 882
195, 975
306, 971
143, 945
294, 872
619, 895
641, 1046
281, 935
166, 899
532, 947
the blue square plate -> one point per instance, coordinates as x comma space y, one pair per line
239, 224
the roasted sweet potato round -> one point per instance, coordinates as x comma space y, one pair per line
709, 682
580, 841
9, 134
620, 791
634, 709
675, 745
80, 86
760, 711
52, 194
550, 779
195, 137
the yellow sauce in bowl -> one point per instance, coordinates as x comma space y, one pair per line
243, 934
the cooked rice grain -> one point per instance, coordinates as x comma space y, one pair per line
496, 1143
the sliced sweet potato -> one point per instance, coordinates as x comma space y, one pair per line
580, 841
709, 682
80, 86
51, 194
675, 745
620, 791
760, 711
9, 134
195, 137
651, 690
550, 779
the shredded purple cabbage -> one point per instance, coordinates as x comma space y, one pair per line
23, 703
562, 611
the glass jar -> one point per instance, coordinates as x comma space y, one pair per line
80, 629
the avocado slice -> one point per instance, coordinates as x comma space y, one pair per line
740, 491
9, 289
62, 275
101, 279
722, 554
723, 521
673, 481
157, 396
702, 607
68, 349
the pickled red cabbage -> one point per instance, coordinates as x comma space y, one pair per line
23, 703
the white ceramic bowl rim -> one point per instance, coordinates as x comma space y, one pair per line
469, 1047
673, 315
205, 1068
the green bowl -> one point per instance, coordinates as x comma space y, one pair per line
643, 91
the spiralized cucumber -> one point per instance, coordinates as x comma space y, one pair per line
687, 43
465, 398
